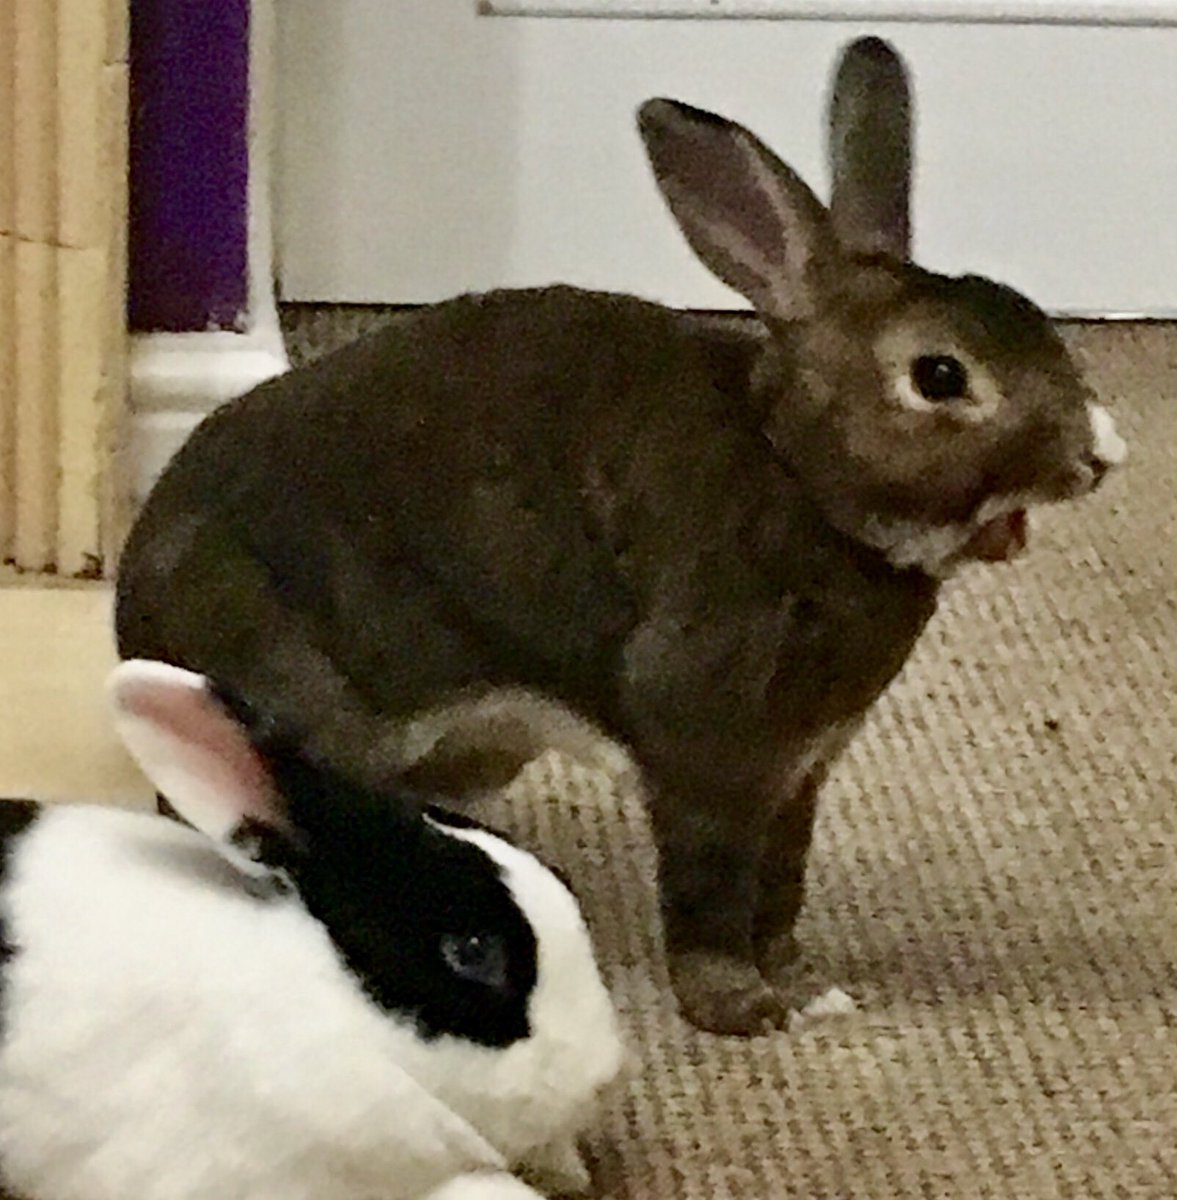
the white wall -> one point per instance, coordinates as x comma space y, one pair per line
426, 150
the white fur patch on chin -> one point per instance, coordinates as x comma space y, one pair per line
937, 550
934, 549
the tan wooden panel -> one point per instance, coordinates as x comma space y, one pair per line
114, 497
7, 395
7, 276
118, 22
35, 123
81, 304
63, 341
81, 46
36, 406
7, 115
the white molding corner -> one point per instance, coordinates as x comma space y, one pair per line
178, 378
153, 438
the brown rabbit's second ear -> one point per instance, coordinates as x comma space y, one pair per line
750, 219
869, 148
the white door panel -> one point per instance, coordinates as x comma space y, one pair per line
1065, 12
427, 150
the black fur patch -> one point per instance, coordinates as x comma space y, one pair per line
165, 808
15, 817
389, 888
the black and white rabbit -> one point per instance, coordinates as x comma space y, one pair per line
317, 992
717, 544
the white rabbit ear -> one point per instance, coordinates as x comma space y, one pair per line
869, 147
751, 220
190, 748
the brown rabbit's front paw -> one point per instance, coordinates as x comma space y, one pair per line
780, 963
722, 994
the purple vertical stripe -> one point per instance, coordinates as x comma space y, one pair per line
189, 169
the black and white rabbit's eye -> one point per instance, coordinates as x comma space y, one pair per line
477, 958
939, 377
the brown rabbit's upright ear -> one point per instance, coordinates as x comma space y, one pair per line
870, 150
750, 219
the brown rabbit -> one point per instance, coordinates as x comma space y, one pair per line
717, 543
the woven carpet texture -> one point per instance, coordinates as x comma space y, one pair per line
993, 881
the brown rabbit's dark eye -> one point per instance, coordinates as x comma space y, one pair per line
939, 377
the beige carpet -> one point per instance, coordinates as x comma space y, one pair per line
994, 881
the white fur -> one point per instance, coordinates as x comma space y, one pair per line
983, 402
483, 1186
833, 1002
167, 1036
518, 1095
1110, 447
1001, 506
935, 549
515, 717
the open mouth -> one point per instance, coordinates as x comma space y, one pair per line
1000, 539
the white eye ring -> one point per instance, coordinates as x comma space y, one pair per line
909, 396
976, 406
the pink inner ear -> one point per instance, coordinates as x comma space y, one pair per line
196, 754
